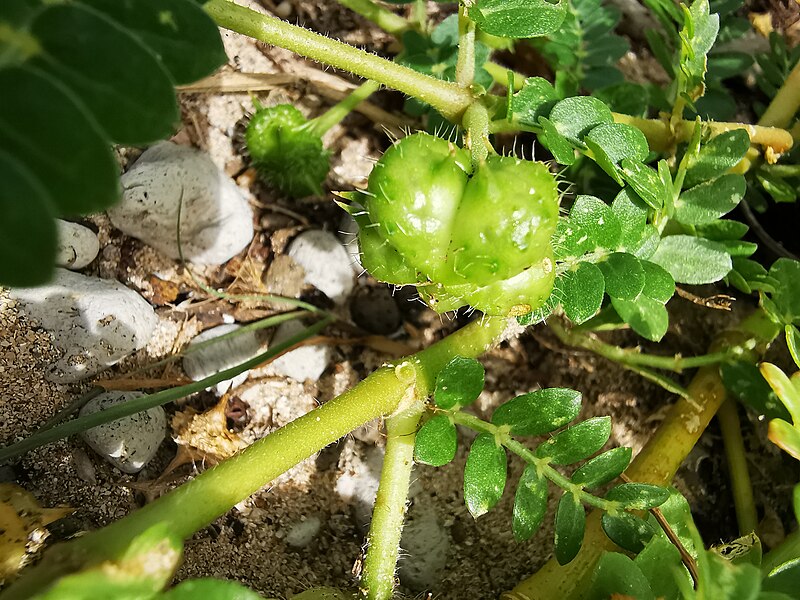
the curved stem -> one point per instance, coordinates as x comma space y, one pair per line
786, 102
382, 17
465, 62
450, 99
383, 543
333, 116
746, 516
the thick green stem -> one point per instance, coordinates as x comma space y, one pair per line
746, 516
118, 411
197, 503
383, 18
465, 62
450, 99
785, 104
656, 463
476, 122
383, 543
333, 116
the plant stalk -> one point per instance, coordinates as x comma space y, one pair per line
385, 531
785, 104
746, 516
450, 99
656, 463
465, 62
334, 115
382, 17
197, 503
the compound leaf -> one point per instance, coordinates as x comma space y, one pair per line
570, 525
459, 384
530, 504
577, 442
538, 412
484, 475
436, 442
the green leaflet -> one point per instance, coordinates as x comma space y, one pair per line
603, 468
518, 18
530, 504
577, 442
692, 260
569, 528
459, 383
539, 412
436, 442
484, 475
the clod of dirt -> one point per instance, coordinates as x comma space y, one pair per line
424, 545
94, 322
306, 363
222, 355
302, 533
325, 262
77, 245
375, 310
171, 181
128, 443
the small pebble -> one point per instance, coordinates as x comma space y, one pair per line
303, 533
221, 355
94, 322
424, 546
77, 245
358, 483
306, 363
128, 443
169, 181
326, 263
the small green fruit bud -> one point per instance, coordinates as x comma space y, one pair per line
286, 151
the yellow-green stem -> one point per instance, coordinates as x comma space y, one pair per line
383, 543
785, 104
465, 62
450, 99
746, 516
382, 17
334, 115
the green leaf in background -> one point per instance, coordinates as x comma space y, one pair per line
739, 248
436, 442
124, 85
577, 442
786, 297
646, 316
631, 212
583, 292
722, 229
745, 383
616, 575
658, 283
787, 389
776, 186
570, 525
603, 468
179, 32
661, 564
697, 37
611, 142
707, 202
559, 146
534, 100
459, 384
43, 126
784, 580
530, 504
210, 589
624, 275
785, 436
748, 275
27, 229
638, 496
575, 117
717, 157
484, 475
692, 260
518, 18
793, 342
644, 181
539, 412
627, 531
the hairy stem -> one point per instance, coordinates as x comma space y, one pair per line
656, 463
450, 99
465, 62
334, 115
382, 17
476, 122
746, 516
383, 543
197, 503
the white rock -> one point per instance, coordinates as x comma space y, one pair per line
303, 363
359, 480
424, 546
326, 263
94, 322
131, 442
303, 533
77, 245
221, 355
216, 220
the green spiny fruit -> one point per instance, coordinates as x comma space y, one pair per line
477, 237
286, 151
